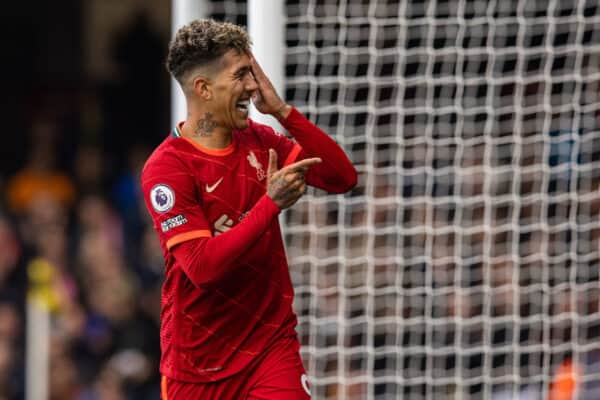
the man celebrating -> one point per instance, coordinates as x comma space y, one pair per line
214, 189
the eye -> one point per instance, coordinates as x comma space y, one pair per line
242, 74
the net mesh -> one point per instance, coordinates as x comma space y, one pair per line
465, 264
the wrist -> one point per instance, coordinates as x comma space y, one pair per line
272, 206
283, 112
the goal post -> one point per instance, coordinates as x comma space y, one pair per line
183, 12
267, 31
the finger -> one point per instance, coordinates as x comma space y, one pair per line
292, 176
292, 198
263, 81
295, 185
272, 168
302, 172
257, 70
303, 164
302, 188
299, 171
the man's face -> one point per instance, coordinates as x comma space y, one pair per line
232, 89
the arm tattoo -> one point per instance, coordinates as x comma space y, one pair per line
205, 126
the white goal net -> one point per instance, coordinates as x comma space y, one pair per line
466, 263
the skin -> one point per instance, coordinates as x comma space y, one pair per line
286, 186
205, 126
212, 97
265, 99
212, 93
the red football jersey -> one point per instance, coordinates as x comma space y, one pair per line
212, 331
227, 295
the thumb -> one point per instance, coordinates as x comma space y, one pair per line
272, 163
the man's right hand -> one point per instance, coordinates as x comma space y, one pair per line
286, 186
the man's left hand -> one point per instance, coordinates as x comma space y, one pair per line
266, 100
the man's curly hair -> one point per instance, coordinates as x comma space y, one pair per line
202, 42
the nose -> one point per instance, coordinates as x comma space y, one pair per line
250, 84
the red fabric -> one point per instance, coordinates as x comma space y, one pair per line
211, 327
207, 261
277, 375
335, 174
227, 294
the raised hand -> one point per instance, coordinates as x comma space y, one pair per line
266, 100
286, 186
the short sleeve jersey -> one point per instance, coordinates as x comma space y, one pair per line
213, 331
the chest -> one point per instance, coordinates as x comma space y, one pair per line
228, 187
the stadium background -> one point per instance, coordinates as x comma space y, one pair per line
464, 265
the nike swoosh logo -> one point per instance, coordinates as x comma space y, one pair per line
209, 189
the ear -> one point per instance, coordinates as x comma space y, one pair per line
202, 86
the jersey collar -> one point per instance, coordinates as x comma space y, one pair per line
213, 152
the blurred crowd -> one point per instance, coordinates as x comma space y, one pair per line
86, 253
75, 240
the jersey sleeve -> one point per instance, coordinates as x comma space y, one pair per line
207, 260
173, 202
335, 173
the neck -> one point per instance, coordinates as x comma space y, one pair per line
203, 130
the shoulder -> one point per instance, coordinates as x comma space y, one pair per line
168, 157
258, 134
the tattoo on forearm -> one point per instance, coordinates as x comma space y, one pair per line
205, 126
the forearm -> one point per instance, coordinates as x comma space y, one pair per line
336, 173
208, 260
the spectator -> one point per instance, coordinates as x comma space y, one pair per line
40, 176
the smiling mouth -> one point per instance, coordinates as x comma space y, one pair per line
243, 105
